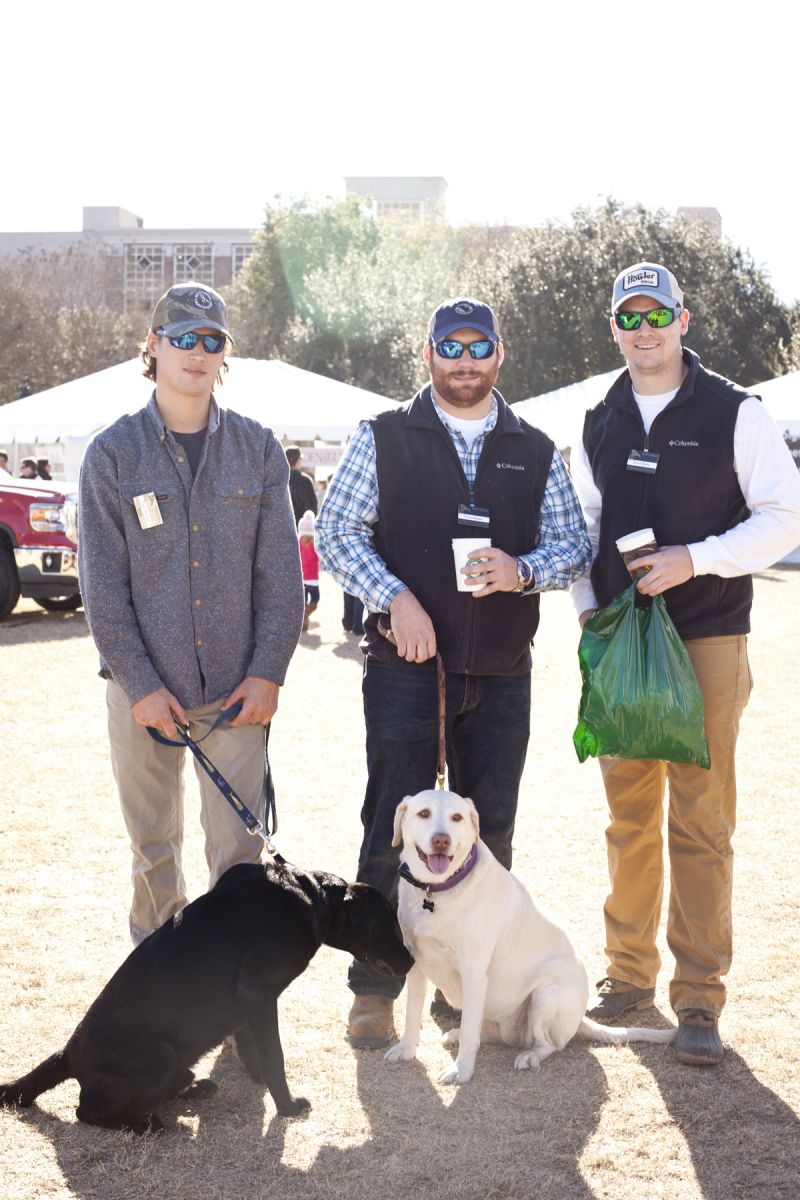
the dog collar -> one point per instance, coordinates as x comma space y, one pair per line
454, 879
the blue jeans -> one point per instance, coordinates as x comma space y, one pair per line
486, 732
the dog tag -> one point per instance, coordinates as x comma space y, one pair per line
428, 904
644, 461
147, 510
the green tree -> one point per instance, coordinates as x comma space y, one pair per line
551, 288
335, 290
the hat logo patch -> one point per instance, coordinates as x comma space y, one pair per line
640, 279
463, 309
202, 300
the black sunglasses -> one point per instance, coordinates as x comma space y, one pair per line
449, 348
213, 343
657, 318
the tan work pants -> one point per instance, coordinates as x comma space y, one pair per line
702, 817
150, 781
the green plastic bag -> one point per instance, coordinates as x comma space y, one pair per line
640, 696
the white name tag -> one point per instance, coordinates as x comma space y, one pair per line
147, 510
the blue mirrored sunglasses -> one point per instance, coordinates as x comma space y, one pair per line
213, 343
449, 348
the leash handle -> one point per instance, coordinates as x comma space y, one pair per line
251, 822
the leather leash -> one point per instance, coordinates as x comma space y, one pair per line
385, 629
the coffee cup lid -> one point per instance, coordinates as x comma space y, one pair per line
631, 540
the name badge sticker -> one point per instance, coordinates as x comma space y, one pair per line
470, 514
644, 461
147, 510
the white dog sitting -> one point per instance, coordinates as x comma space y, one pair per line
477, 935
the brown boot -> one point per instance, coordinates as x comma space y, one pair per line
370, 1022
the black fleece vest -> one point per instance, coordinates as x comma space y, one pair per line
693, 494
421, 484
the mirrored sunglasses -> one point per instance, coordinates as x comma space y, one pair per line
657, 318
213, 343
449, 348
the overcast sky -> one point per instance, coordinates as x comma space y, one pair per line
198, 115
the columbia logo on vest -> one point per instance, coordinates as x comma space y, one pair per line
510, 467
678, 442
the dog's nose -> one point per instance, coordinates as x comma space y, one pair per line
440, 843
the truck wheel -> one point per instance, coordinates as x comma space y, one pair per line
9, 583
61, 603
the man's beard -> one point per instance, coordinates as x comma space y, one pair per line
463, 393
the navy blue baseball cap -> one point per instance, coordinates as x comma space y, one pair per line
463, 314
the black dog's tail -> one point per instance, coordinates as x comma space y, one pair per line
23, 1092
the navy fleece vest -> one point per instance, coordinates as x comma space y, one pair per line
693, 494
421, 484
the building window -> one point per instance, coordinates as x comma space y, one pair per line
144, 277
195, 262
240, 254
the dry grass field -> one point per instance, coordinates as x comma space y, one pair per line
594, 1123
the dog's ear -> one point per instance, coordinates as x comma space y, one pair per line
473, 816
400, 812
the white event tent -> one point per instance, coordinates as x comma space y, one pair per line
298, 405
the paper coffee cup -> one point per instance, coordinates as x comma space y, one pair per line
463, 552
637, 545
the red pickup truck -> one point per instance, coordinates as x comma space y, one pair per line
38, 543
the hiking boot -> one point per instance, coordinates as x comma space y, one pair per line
370, 1022
698, 1043
615, 997
441, 1007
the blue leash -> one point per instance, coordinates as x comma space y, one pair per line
244, 814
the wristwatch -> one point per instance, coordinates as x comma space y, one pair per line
524, 575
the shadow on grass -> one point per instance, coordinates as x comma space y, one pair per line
42, 626
743, 1139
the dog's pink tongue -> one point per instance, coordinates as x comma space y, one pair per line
438, 863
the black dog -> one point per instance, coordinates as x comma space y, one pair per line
215, 969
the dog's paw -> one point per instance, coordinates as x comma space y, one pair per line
295, 1107
402, 1052
451, 1037
457, 1074
528, 1060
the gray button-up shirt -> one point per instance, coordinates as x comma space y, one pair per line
213, 593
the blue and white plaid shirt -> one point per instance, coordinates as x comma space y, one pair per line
344, 526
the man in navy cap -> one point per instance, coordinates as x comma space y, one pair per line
678, 449
190, 576
454, 462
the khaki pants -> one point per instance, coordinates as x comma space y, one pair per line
702, 817
150, 781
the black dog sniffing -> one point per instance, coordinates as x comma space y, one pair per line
215, 969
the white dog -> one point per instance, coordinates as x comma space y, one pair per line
477, 935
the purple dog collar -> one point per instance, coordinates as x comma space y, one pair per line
405, 871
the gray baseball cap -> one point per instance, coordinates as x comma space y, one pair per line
190, 306
647, 279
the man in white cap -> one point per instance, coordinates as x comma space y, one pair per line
682, 450
191, 582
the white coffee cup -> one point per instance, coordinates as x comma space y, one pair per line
463, 552
635, 545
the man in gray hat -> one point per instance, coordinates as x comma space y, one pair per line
454, 462
191, 582
678, 449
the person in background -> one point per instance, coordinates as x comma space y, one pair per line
310, 565
28, 469
301, 486
43, 468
